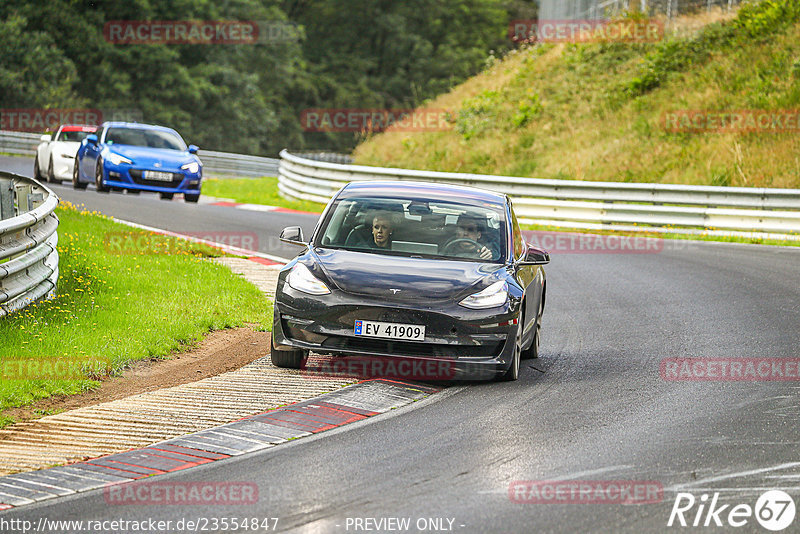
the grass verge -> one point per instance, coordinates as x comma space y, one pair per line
256, 191
123, 295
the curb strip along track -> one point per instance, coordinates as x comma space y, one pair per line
252, 433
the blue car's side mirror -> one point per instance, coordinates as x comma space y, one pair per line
91, 139
193, 149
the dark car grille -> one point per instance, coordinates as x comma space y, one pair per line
404, 348
136, 176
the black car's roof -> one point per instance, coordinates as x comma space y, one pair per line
422, 191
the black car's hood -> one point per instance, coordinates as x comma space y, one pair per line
417, 279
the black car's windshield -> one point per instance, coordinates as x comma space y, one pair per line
144, 137
424, 228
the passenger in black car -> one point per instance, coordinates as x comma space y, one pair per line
376, 234
382, 230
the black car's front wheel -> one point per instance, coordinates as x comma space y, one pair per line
290, 359
99, 181
166, 196
532, 352
513, 371
191, 198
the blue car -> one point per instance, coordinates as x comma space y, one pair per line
138, 157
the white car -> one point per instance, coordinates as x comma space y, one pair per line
55, 155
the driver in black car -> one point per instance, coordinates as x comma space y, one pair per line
471, 239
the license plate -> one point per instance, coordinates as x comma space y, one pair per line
158, 175
409, 332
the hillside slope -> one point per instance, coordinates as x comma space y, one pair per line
597, 111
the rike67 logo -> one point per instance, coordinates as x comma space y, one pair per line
774, 510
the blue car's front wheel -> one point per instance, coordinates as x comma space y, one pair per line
99, 181
76, 183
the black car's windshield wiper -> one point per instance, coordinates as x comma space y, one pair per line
401, 254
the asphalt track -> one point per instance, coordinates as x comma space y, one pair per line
256, 230
593, 407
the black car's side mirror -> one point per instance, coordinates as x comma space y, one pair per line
293, 235
193, 149
91, 139
535, 256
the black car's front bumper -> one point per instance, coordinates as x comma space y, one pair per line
460, 344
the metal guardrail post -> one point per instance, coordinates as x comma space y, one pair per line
6, 199
23, 198
35, 200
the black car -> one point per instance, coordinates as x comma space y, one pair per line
431, 276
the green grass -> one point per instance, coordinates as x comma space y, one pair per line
143, 299
595, 111
255, 191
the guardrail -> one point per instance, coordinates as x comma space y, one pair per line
226, 165
670, 208
216, 164
28, 239
18, 142
330, 157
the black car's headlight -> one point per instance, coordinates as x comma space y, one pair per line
301, 279
491, 297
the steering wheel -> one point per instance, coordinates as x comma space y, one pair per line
452, 244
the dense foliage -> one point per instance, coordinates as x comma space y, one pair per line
248, 97
606, 110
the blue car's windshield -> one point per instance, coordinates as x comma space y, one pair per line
425, 228
144, 137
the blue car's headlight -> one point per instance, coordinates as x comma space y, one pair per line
116, 159
491, 297
192, 167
